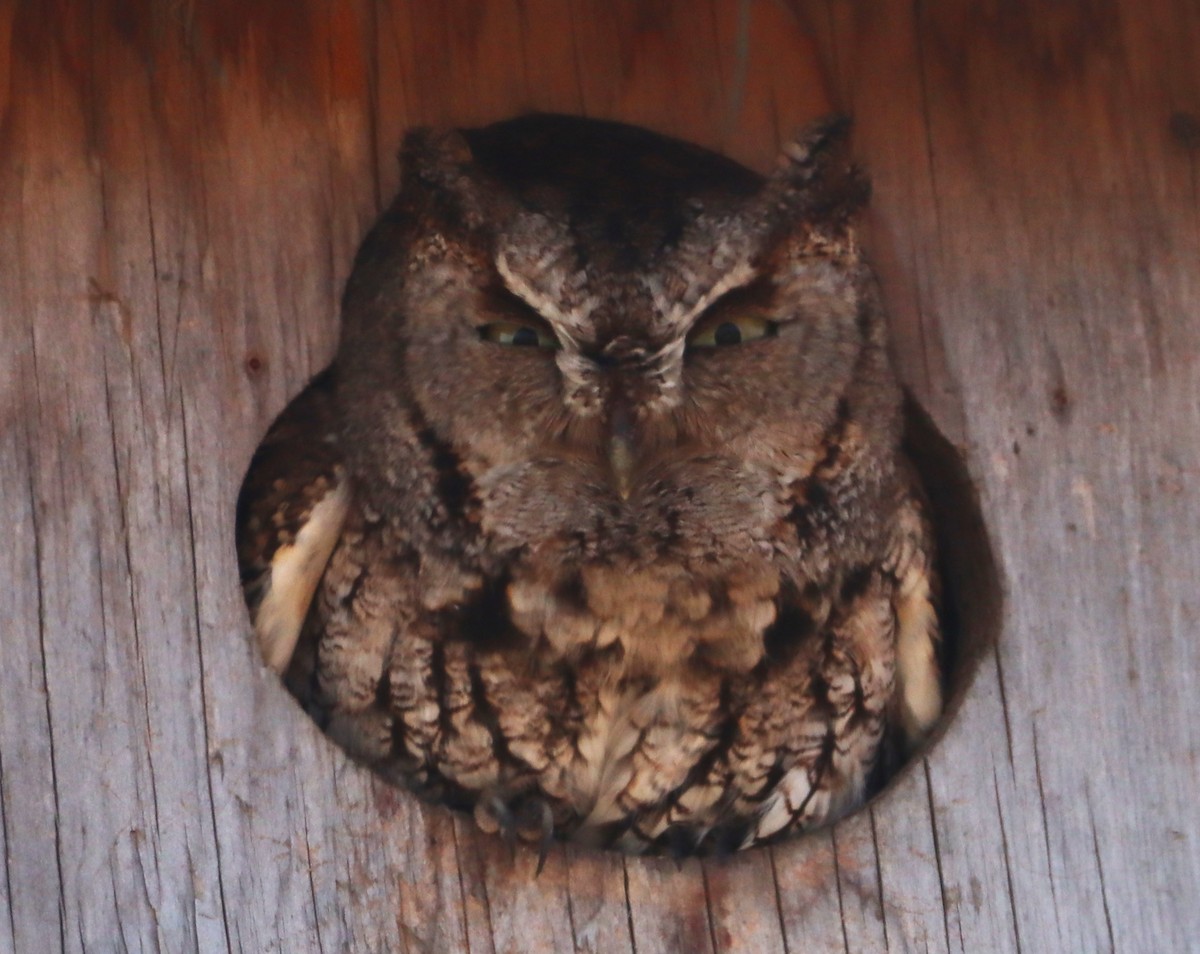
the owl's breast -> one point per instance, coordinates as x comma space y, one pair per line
633, 705
655, 618
641, 753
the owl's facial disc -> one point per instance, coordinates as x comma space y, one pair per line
620, 343
640, 372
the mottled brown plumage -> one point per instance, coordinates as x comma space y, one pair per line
610, 531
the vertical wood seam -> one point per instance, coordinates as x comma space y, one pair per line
462, 888
778, 899
1087, 794
628, 905
1037, 768
1008, 734
837, 881
1012, 894
870, 810
937, 855
708, 908
308, 864
8, 878
45, 672
203, 673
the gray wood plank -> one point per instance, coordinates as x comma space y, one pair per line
669, 906
806, 872
736, 925
600, 914
1045, 234
187, 192
32, 879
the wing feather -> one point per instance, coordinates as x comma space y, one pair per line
290, 515
918, 632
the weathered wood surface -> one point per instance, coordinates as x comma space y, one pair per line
182, 187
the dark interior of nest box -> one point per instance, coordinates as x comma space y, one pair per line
972, 598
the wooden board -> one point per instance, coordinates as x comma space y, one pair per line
182, 187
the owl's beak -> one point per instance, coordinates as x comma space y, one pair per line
621, 451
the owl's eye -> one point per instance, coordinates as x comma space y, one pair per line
731, 330
518, 335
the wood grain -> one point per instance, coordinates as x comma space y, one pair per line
182, 190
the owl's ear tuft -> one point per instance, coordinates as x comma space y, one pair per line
433, 155
437, 163
807, 156
813, 176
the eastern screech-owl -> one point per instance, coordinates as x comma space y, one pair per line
598, 524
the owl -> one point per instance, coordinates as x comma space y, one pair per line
598, 526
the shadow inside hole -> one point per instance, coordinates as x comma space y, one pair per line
972, 595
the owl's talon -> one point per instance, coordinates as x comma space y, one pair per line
547, 835
682, 842
728, 838
493, 816
536, 827
518, 818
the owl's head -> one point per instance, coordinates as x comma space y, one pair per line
582, 338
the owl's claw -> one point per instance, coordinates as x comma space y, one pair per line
511, 831
493, 816
728, 838
542, 827
529, 819
682, 842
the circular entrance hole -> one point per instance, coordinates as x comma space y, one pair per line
555, 591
